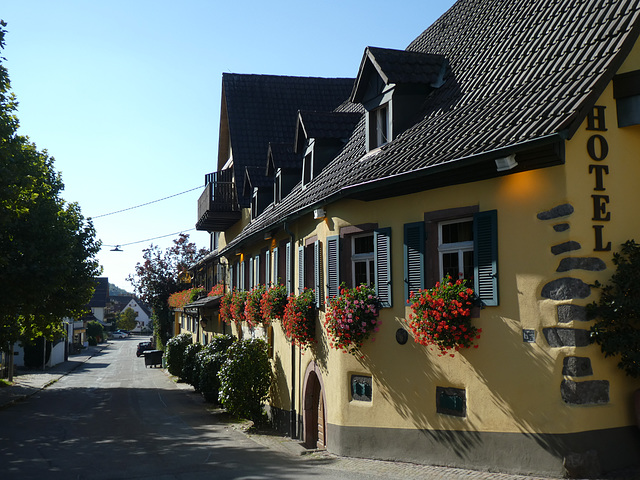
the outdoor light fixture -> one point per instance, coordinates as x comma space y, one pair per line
116, 249
319, 213
506, 163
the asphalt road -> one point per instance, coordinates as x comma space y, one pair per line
112, 418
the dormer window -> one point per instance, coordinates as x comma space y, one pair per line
392, 86
254, 203
379, 128
277, 186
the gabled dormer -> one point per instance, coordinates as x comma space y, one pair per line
392, 86
259, 188
283, 165
319, 138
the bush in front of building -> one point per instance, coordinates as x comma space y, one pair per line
617, 327
189, 363
245, 379
95, 330
174, 352
210, 359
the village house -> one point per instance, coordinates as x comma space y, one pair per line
501, 148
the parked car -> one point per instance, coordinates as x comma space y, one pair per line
143, 347
119, 335
128, 334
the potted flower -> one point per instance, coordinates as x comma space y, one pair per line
252, 312
273, 302
442, 316
238, 301
216, 291
225, 307
299, 319
351, 318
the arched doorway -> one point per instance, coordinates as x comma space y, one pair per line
314, 416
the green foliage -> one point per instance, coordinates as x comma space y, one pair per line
47, 248
127, 319
617, 329
245, 379
174, 352
210, 359
161, 274
189, 363
92, 341
95, 330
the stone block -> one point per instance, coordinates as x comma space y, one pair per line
566, 288
577, 367
591, 392
566, 337
571, 313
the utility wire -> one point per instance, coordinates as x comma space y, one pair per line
148, 203
149, 239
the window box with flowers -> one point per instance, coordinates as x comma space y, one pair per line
299, 319
225, 307
442, 317
351, 318
273, 302
252, 312
238, 301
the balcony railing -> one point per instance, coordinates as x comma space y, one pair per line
218, 206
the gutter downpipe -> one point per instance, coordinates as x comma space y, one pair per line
292, 419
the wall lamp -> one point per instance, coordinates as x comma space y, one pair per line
506, 163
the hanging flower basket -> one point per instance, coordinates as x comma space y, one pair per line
273, 302
442, 317
252, 312
299, 319
351, 318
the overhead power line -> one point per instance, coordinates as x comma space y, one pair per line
148, 203
148, 239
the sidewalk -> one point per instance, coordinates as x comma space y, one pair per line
29, 382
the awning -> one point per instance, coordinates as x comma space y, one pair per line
205, 302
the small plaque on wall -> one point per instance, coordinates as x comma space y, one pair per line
528, 336
361, 388
451, 401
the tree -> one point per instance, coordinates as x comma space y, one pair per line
160, 275
127, 319
47, 248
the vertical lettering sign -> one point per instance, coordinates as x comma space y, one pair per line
598, 150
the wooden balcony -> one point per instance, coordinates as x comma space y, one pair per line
218, 206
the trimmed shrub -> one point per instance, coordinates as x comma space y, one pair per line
245, 379
190, 362
174, 352
210, 359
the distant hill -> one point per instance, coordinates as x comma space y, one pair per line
115, 290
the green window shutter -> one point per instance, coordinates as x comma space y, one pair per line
251, 264
485, 237
256, 268
287, 260
317, 272
300, 269
382, 260
275, 266
414, 247
267, 267
242, 267
333, 266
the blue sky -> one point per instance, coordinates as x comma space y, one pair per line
125, 95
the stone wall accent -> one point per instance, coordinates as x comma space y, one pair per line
561, 227
566, 288
556, 212
566, 337
590, 264
577, 367
571, 313
565, 247
591, 392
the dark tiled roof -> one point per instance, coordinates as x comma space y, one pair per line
101, 293
283, 156
522, 72
262, 109
399, 67
338, 125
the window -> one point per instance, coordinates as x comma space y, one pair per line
379, 126
461, 242
254, 203
362, 264
455, 249
367, 260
